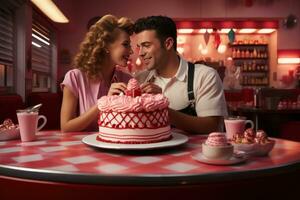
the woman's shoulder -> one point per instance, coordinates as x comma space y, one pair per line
75, 71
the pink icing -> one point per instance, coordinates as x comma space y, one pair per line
146, 102
216, 139
133, 88
133, 84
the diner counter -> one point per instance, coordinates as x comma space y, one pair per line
270, 120
61, 160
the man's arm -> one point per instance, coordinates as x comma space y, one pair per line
193, 124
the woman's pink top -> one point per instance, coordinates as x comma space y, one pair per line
88, 92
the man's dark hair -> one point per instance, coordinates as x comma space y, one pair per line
164, 26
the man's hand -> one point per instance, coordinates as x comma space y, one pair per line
116, 89
150, 88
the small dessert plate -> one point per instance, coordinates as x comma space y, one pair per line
10, 134
235, 159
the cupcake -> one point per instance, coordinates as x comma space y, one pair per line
217, 147
261, 137
249, 136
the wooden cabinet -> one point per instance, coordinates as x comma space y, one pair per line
253, 60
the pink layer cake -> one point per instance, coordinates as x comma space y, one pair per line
133, 118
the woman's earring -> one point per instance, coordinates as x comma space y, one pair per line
106, 51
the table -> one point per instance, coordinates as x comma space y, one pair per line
58, 165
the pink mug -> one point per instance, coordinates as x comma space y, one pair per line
28, 122
236, 125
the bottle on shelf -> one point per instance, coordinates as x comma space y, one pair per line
245, 67
233, 53
254, 53
238, 53
254, 66
242, 53
247, 54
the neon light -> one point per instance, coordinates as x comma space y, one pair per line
288, 60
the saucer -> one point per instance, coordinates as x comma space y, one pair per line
235, 159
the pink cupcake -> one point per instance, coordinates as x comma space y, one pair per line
217, 147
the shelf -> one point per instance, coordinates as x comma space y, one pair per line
250, 58
247, 45
254, 84
254, 62
255, 72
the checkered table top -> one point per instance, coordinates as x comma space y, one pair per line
65, 153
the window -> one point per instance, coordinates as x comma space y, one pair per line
42, 55
6, 47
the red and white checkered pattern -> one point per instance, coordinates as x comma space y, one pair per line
65, 152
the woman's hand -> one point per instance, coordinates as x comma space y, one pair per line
150, 88
116, 89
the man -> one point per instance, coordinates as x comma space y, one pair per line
197, 109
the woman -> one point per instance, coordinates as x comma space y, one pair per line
106, 45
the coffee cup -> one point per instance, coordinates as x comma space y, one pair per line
28, 124
236, 125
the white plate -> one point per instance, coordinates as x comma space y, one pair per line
176, 140
10, 134
235, 159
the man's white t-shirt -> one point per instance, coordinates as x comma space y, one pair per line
208, 89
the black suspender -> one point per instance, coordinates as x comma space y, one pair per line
191, 96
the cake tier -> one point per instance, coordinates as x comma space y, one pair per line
134, 136
131, 120
134, 127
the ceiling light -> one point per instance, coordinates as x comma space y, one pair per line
185, 30
266, 30
247, 30
203, 30
51, 10
288, 61
224, 30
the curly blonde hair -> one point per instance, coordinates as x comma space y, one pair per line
93, 48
